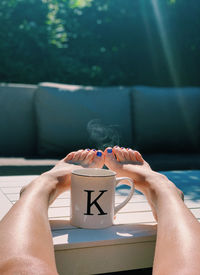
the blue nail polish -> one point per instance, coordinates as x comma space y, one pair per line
94, 150
88, 149
122, 147
109, 150
99, 154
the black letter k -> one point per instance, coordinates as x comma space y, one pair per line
89, 203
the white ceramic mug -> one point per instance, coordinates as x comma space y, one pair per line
93, 197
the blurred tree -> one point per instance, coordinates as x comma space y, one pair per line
101, 42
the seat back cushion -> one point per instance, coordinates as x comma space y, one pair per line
73, 117
17, 121
166, 119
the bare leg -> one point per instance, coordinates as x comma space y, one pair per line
178, 231
127, 162
26, 245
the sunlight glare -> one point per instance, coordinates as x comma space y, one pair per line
165, 41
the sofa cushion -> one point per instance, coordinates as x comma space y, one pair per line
166, 162
158, 162
72, 117
22, 166
166, 119
17, 122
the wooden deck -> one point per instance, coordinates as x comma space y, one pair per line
128, 244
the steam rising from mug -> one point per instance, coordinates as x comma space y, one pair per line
102, 135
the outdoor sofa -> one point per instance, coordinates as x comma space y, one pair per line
41, 123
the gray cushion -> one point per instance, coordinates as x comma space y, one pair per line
24, 170
22, 166
17, 123
167, 162
166, 119
72, 117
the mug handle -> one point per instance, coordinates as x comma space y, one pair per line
131, 184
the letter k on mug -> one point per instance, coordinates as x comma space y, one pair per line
93, 197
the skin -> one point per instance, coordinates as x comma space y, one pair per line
178, 231
27, 247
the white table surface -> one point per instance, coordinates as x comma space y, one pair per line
128, 244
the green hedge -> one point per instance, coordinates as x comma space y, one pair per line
100, 42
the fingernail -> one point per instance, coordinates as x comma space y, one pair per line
99, 154
122, 147
128, 148
109, 150
88, 149
94, 150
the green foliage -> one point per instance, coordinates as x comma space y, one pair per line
172, 1
79, 3
100, 42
